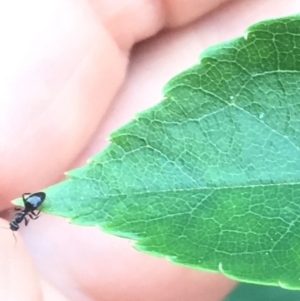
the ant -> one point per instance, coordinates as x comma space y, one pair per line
31, 202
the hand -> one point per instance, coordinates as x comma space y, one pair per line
63, 65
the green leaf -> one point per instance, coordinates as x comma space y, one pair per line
252, 292
209, 177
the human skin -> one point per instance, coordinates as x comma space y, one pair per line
64, 64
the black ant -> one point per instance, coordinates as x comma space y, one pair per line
31, 202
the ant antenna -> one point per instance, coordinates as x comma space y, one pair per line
5, 228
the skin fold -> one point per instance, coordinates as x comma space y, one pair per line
71, 72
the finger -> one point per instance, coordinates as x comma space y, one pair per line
56, 92
18, 278
50, 293
56, 87
143, 19
180, 12
52, 92
104, 265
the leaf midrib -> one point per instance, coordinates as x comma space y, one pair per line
202, 189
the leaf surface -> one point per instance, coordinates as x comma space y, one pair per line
210, 176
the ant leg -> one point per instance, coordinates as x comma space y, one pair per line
26, 221
34, 215
24, 196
